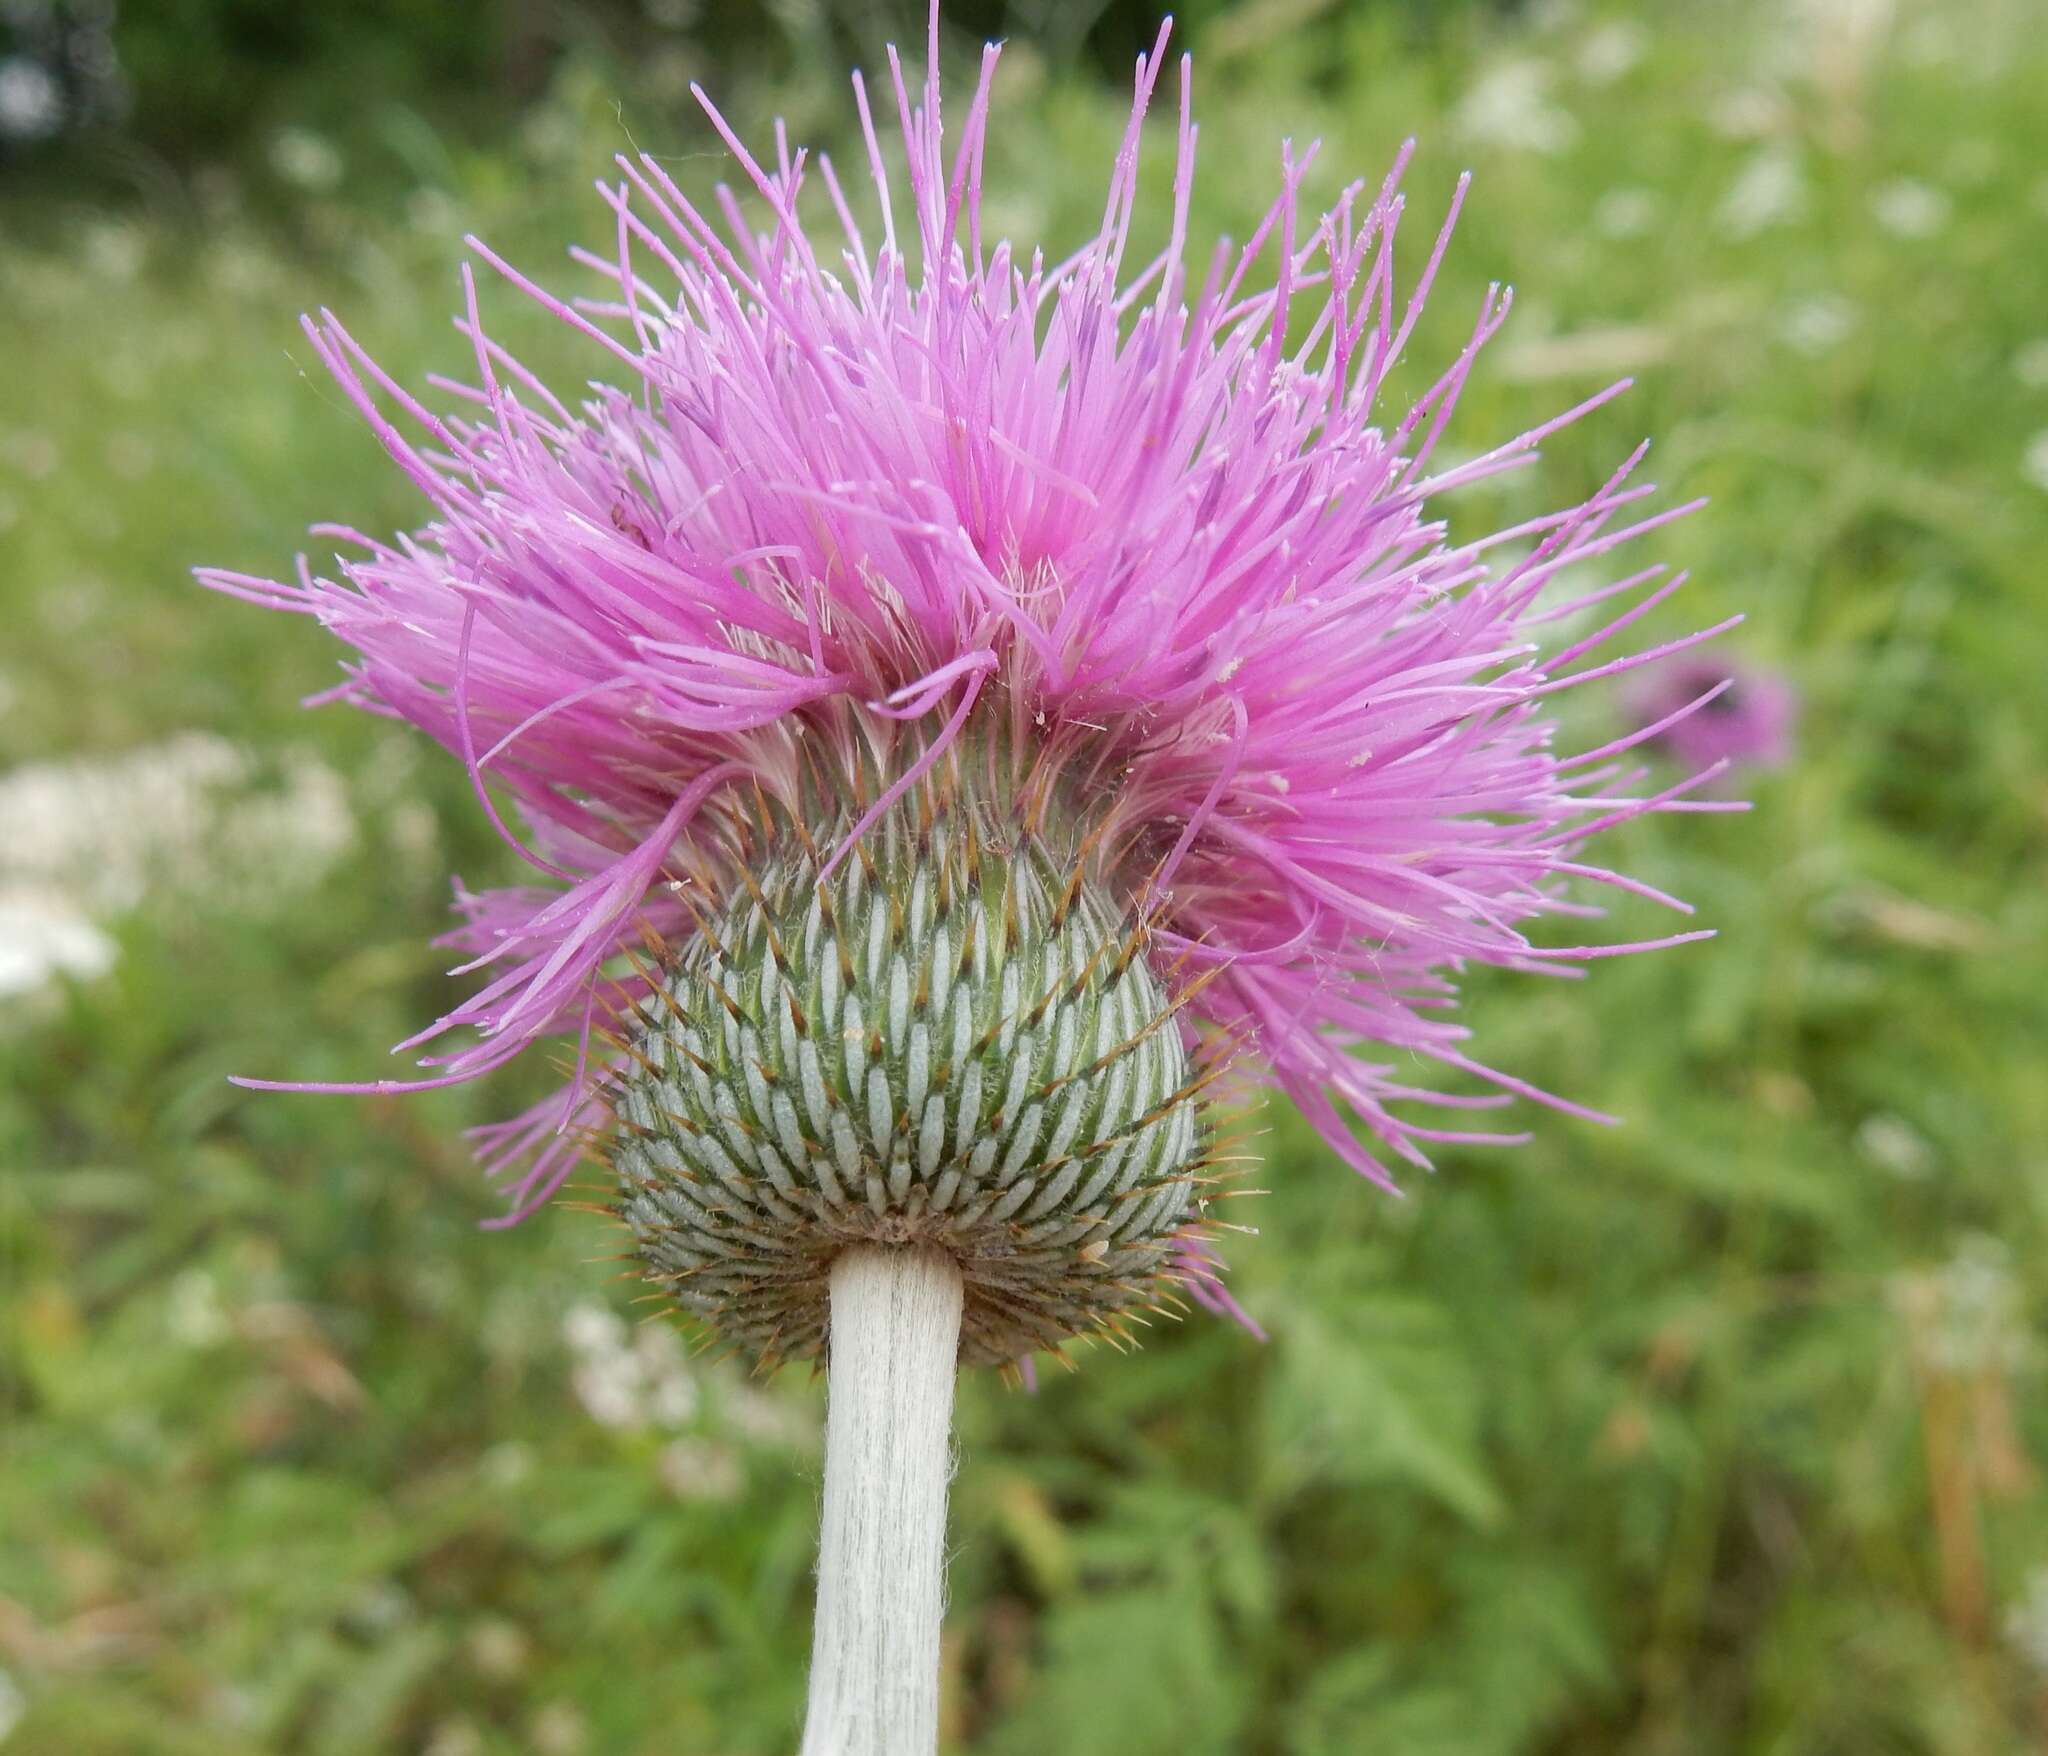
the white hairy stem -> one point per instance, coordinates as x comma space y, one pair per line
894, 1348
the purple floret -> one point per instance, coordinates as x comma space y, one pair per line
1709, 709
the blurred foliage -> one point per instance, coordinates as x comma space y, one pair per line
197, 64
203, 81
1720, 1431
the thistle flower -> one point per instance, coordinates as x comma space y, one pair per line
1704, 710
956, 701
957, 705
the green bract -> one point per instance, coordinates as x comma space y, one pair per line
951, 1039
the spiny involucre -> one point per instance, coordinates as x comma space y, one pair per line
957, 701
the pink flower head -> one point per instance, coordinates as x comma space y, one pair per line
1704, 710
1152, 512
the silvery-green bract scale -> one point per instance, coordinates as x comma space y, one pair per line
952, 1040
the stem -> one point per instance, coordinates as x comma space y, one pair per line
895, 1344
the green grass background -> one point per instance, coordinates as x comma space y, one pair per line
1720, 1431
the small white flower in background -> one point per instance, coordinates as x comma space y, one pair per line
414, 833
628, 1381
2030, 364
1511, 106
1980, 1323
558, 1730
766, 1419
381, 1605
672, 1393
13, 1705
455, 1737
1611, 51
1815, 325
92, 836
114, 249
498, 1647
1625, 213
2034, 461
609, 1390
1894, 1144
31, 105
594, 1329
2026, 1623
41, 938
1770, 190
698, 1469
640, 1377
196, 1317
306, 160
673, 1399
507, 1463
1833, 42
291, 837
1908, 208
